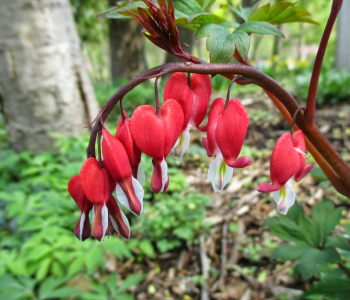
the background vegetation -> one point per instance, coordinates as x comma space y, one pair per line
182, 232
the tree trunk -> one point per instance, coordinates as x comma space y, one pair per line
343, 38
127, 48
45, 87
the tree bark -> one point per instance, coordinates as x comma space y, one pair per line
45, 87
343, 37
127, 48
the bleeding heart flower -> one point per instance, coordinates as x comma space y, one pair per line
155, 135
97, 185
123, 134
225, 136
129, 191
118, 219
82, 229
287, 164
194, 102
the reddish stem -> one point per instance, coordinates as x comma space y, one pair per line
312, 133
157, 97
311, 98
229, 91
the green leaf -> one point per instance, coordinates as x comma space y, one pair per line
318, 174
326, 216
285, 229
207, 4
289, 252
7, 281
330, 288
39, 252
77, 265
221, 44
229, 24
338, 242
43, 269
120, 11
147, 248
245, 12
295, 212
260, 27
130, 281
49, 285
314, 261
311, 231
282, 12
94, 258
62, 293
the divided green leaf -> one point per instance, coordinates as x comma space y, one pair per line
279, 13
244, 12
260, 27
222, 44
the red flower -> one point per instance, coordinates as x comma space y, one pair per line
156, 135
225, 136
97, 185
118, 219
194, 102
123, 134
82, 229
287, 163
129, 191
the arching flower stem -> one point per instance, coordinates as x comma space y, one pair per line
311, 131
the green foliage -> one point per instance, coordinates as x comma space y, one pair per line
188, 13
23, 288
222, 43
334, 85
142, 94
280, 13
313, 249
111, 288
173, 219
334, 285
244, 12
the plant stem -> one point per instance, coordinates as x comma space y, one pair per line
229, 91
157, 97
345, 269
311, 131
311, 98
189, 80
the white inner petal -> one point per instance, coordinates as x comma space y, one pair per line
285, 197
219, 173
123, 199
81, 226
182, 143
164, 170
104, 220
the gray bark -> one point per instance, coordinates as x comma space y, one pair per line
343, 37
127, 48
45, 87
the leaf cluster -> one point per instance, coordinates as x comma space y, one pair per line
313, 247
224, 36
